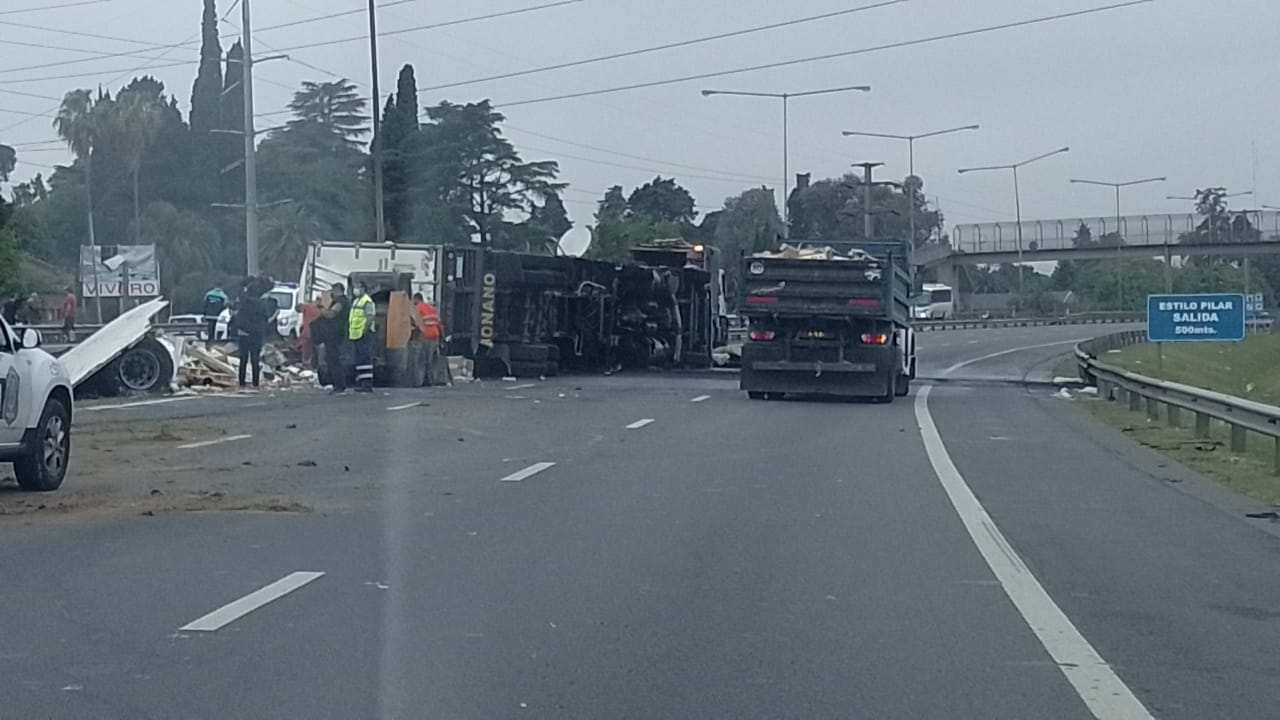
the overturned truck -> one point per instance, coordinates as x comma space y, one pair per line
534, 315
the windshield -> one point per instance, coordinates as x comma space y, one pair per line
678, 359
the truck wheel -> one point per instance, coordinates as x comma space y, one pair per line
144, 368
903, 386
43, 469
890, 390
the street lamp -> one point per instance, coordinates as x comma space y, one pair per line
1168, 272
786, 156
1017, 199
911, 160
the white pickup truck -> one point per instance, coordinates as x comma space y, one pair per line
35, 411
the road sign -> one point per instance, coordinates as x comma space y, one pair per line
1195, 318
1253, 303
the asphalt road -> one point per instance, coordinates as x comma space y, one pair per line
538, 550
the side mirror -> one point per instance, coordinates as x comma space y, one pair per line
30, 339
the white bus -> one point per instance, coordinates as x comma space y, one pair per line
935, 302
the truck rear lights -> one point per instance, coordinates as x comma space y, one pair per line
762, 299
875, 338
763, 335
865, 303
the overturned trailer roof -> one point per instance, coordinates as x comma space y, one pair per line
100, 348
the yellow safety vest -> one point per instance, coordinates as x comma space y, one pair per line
361, 317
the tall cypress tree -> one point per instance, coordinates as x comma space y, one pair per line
399, 146
206, 92
230, 148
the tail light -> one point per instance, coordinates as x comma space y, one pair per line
763, 335
865, 303
875, 338
762, 299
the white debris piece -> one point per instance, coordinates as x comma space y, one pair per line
100, 348
1063, 380
1088, 391
1063, 394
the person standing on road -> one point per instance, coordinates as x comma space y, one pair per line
250, 323
360, 334
331, 332
69, 309
215, 301
430, 317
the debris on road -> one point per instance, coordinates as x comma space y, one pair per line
1064, 394
217, 368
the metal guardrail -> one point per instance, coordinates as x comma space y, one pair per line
1082, 319
1144, 393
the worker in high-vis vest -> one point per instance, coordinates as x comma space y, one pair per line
360, 326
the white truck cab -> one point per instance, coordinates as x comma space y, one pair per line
35, 411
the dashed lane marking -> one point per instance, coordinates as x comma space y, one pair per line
528, 472
398, 408
208, 443
233, 611
523, 387
141, 403
640, 423
701, 398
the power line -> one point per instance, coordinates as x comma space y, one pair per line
53, 7
27, 94
148, 66
447, 23
827, 56
189, 43
331, 16
656, 161
558, 153
665, 46
94, 55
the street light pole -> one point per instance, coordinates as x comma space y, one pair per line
1017, 198
250, 153
1168, 270
911, 161
786, 155
380, 229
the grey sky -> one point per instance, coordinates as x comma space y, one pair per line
1176, 87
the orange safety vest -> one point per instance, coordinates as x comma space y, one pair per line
430, 318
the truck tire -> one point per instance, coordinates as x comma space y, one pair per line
902, 387
890, 389
144, 368
45, 466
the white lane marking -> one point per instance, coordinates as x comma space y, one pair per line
1010, 351
528, 472
231, 612
701, 398
398, 408
219, 441
1106, 695
141, 403
522, 387
640, 423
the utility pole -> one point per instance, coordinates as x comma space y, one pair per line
250, 154
378, 209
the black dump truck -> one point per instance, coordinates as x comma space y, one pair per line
526, 315
829, 320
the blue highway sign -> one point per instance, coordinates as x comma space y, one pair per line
1195, 318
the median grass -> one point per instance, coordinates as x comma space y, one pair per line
1250, 472
1249, 369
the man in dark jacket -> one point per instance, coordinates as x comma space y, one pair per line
330, 330
250, 323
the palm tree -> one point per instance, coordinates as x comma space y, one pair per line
135, 118
288, 229
334, 106
77, 126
